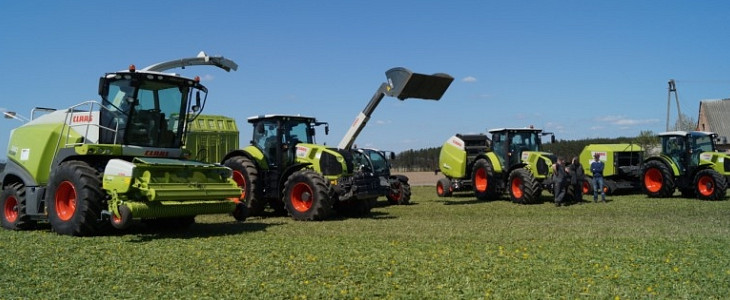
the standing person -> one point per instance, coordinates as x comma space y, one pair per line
597, 169
576, 179
559, 178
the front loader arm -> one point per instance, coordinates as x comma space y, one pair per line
402, 84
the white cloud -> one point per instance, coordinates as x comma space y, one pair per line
469, 79
623, 121
382, 122
207, 77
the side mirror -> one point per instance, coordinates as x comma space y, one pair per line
196, 107
552, 139
392, 155
103, 87
326, 129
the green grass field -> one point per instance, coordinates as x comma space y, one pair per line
437, 248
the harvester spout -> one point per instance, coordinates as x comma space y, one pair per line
402, 84
201, 59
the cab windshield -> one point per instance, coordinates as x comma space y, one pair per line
145, 111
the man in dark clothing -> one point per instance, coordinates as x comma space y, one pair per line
559, 178
597, 169
576, 179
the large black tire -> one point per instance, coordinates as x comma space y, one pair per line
13, 205
246, 176
443, 187
400, 192
657, 180
523, 187
483, 181
74, 199
305, 196
710, 185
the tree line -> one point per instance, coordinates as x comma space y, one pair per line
427, 159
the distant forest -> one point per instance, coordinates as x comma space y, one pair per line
427, 159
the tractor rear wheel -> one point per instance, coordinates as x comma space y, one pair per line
710, 185
13, 204
522, 186
74, 199
657, 179
400, 192
443, 187
305, 196
246, 176
483, 181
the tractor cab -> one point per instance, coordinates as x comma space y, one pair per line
372, 161
145, 108
684, 148
511, 145
277, 136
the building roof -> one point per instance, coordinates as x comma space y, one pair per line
717, 112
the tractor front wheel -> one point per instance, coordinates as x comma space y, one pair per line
12, 203
245, 175
657, 179
443, 187
483, 180
710, 185
400, 192
74, 199
305, 196
522, 186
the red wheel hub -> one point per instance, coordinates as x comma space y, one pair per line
241, 181
65, 200
653, 180
516, 187
301, 197
11, 209
480, 180
706, 186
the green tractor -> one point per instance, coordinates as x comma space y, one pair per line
109, 162
622, 171
284, 168
514, 162
689, 161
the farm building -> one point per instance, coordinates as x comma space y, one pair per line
714, 117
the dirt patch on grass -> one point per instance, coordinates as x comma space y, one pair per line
422, 178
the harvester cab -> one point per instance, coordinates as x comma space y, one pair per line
285, 169
690, 162
118, 159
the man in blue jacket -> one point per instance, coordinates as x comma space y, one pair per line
597, 169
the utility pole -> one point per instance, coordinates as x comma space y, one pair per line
673, 89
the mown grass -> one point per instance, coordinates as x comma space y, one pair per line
437, 248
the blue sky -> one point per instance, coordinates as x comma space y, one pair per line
581, 69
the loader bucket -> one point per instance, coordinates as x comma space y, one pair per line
406, 84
